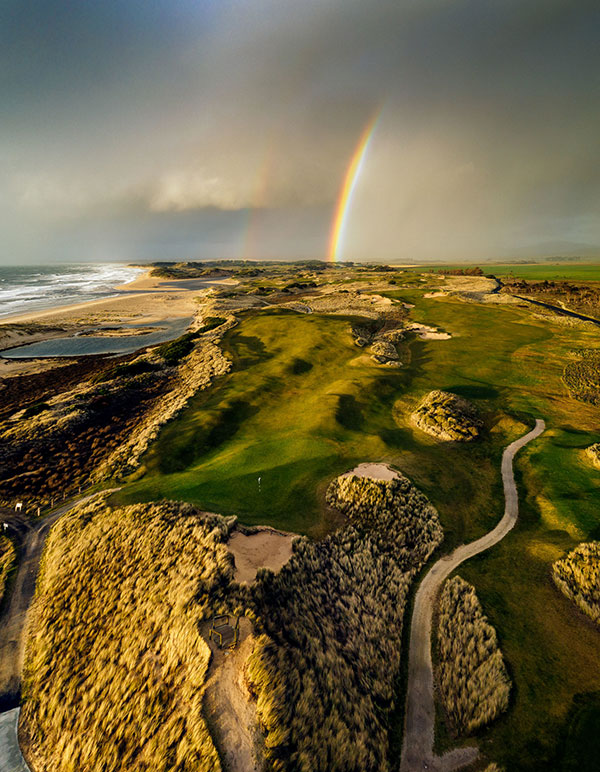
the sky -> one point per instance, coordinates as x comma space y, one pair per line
190, 129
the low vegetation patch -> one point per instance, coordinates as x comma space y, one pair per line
448, 417
581, 736
115, 663
582, 375
473, 681
578, 577
582, 298
211, 322
35, 409
325, 667
175, 350
53, 451
127, 370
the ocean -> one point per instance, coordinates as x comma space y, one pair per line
37, 287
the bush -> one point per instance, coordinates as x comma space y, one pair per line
324, 669
175, 350
211, 322
35, 409
578, 577
115, 663
473, 681
126, 370
448, 417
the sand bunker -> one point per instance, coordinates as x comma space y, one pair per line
263, 549
428, 333
373, 472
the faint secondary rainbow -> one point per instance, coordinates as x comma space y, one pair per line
344, 201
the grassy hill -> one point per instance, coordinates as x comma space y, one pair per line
115, 664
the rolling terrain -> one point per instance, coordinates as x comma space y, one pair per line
305, 395
506, 361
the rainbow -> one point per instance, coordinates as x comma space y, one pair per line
344, 200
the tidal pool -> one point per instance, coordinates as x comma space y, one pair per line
89, 344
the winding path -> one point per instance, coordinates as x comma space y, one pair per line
417, 748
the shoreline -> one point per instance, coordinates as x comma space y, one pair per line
144, 300
145, 286
121, 290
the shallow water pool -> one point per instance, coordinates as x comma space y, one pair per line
90, 344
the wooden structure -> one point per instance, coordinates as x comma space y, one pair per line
224, 631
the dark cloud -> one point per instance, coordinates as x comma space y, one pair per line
135, 127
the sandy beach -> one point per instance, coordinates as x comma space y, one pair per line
146, 300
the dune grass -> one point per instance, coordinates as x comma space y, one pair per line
471, 675
325, 667
577, 576
7, 559
115, 663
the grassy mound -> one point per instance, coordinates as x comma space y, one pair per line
473, 681
115, 664
582, 375
578, 577
448, 417
325, 668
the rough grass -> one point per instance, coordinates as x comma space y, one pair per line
115, 663
580, 745
7, 560
471, 673
578, 577
582, 375
447, 417
325, 667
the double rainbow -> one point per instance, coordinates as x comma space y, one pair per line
344, 200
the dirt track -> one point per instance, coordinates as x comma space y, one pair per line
417, 748
230, 710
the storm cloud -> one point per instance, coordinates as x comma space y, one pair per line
135, 130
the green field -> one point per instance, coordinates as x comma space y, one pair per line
556, 271
303, 404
